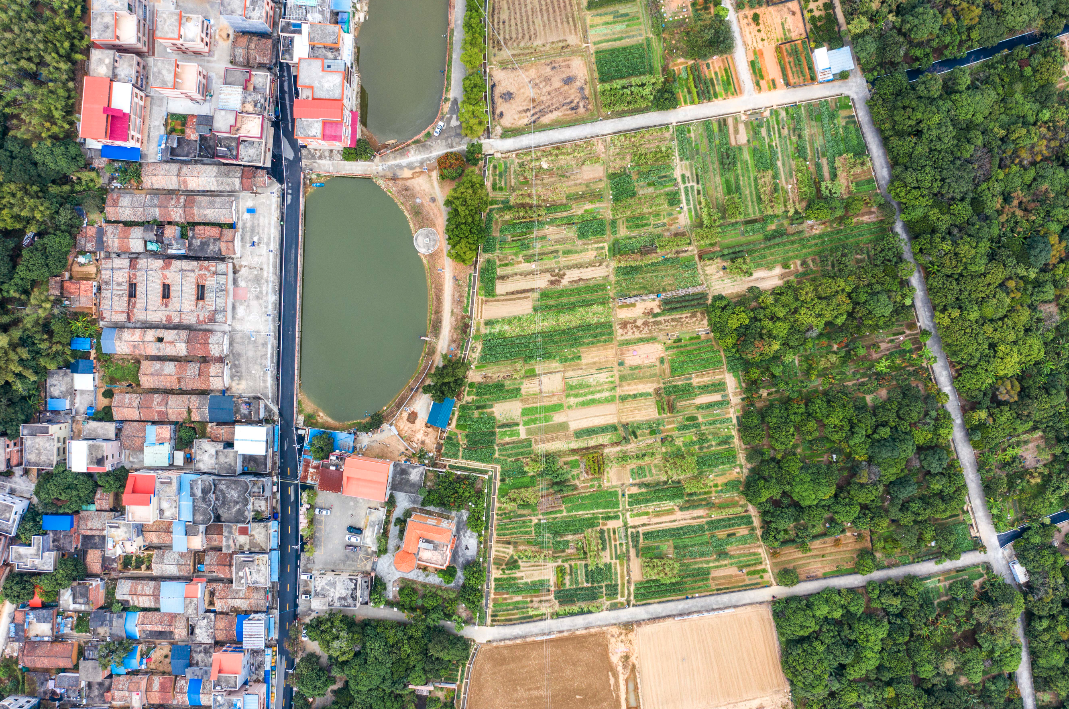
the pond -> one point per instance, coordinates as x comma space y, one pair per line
402, 55
364, 300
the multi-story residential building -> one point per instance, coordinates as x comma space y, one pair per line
183, 32
94, 456
11, 510
121, 24
178, 79
44, 445
255, 16
114, 103
244, 107
324, 112
10, 453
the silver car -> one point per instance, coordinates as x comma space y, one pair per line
438, 128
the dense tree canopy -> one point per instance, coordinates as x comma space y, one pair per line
1047, 602
464, 227
447, 379
838, 652
63, 490
980, 169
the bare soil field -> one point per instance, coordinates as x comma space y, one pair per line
776, 24
567, 672
534, 27
561, 92
825, 557
721, 282
700, 663
520, 282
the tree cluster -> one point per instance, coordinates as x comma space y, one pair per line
465, 227
62, 490
472, 109
379, 659
708, 33
447, 379
1047, 603
846, 649
321, 446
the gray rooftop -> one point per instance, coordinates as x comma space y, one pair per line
103, 25
325, 84
101, 62
39, 452
167, 22
232, 500
249, 9
100, 430
60, 384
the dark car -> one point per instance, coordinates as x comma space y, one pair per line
354, 530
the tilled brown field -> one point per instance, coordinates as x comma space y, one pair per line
712, 661
569, 672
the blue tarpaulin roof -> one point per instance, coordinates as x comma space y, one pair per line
58, 405
440, 413
82, 366
58, 523
115, 152
274, 565
179, 659
130, 625
84, 344
220, 409
130, 662
178, 537
241, 626
173, 597
193, 693
342, 441
274, 534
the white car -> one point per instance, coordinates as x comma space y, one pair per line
305, 596
322, 511
306, 577
354, 538
438, 128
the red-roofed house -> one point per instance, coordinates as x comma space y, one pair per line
368, 478
325, 112
230, 668
429, 541
140, 498
60, 655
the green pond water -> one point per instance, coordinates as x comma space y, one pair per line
402, 54
364, 300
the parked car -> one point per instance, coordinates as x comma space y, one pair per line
304, 633
306, 596
322, 511
306, 577
438, 128
354, 530
354, 538
350, 547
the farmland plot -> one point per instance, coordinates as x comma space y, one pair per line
763, 31
594, 358
531, 28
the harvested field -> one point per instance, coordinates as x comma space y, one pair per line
534, 27
797, 62
568, 672
699, 663
828, 556
561, 91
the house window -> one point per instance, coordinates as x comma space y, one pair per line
132, 290
200, 292
166, 291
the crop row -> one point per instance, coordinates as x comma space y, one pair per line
673, 494
545, 345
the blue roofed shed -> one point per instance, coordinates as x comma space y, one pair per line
343, 441
107, 340
840, 60
82, 366
173, 597
57, 523
58, 404
179, 659
84, 344
220, 409
440, 413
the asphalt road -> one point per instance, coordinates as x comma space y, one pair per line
286, 169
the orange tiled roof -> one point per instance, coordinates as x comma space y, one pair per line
365, 477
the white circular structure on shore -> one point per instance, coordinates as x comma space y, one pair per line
426, 241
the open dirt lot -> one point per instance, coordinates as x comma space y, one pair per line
567, 672
730, 659
561, 91
776, 24
532, 27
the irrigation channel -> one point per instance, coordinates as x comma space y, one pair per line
364, 301
402, 57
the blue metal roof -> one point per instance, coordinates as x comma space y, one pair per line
840, 60
107, 340
241, 626
115, 152
220, 409
179, 659
84, 344
82, 366
185, 498
173, 597
440, 413
342, 441
58, 405
274, 565
179, 542
58, 523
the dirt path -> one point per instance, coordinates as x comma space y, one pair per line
447, 295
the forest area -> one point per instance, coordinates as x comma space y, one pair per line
911, 34
944, 643
43, 179
979, 168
